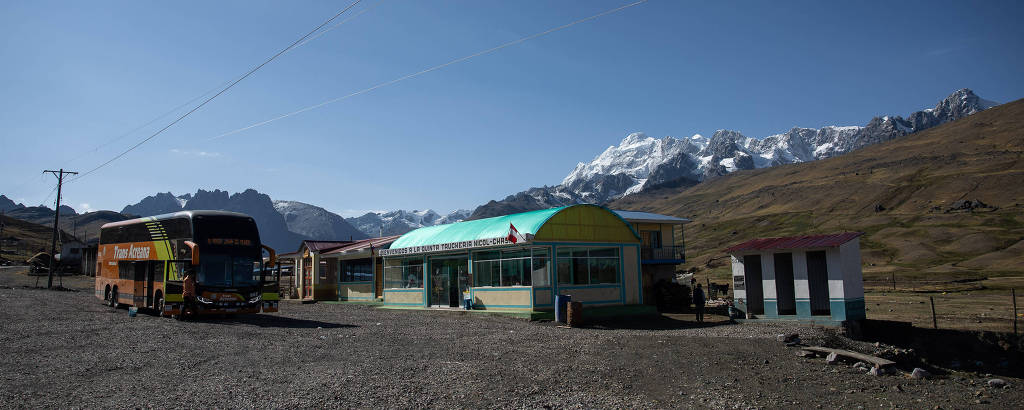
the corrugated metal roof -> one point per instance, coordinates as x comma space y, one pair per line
363, 244
321, 246
637, 216
496, 227
795, 242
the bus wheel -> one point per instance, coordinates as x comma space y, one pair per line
106, 295
113, 298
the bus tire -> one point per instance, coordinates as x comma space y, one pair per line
113, 298
158, 304
106, 295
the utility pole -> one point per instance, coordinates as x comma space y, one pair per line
56, 224
1, 234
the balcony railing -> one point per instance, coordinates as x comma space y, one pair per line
663, 253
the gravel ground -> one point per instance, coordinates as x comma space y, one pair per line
65, 349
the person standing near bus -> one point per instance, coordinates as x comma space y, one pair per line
188, 292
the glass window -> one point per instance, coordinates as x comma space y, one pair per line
588, 266
403, 273
539, 274
360, 270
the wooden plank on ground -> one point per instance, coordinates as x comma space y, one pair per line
877, 361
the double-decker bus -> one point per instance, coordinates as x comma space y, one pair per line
143, 262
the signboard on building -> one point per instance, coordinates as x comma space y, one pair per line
445, 247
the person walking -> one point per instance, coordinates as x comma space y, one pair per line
698, 302
188, 294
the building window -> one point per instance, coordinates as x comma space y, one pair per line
519, 267
588, 266
356, 270
403, 273
651, 239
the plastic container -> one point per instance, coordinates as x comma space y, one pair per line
467, 303
562, 307
132, 311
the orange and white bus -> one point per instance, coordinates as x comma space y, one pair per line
142, 262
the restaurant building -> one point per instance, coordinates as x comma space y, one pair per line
518, 262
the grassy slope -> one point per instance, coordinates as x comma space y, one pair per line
979, 157
33, 237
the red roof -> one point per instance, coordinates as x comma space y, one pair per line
795, 242
364, 244
321, 246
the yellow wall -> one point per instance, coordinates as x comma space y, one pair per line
355, 291
668, 237
607, 295
586, 224
502, 298
405, 296
629, 275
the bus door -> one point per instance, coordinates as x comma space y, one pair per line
140, 275
154, 280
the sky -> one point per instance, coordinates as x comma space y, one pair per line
84, 81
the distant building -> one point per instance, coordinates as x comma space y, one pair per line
809, 278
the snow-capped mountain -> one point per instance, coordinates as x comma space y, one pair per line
401, 221
641, 162
315, 222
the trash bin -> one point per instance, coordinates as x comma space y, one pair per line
561, 307
575, 314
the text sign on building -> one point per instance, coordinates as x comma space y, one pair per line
738, 283
450, 246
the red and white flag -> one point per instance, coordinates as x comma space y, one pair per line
514, 236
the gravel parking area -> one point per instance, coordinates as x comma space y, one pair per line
65, 349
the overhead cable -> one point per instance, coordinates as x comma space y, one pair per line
434, 68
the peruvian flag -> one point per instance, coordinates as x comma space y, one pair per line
514, 236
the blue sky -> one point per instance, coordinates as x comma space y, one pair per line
78, 75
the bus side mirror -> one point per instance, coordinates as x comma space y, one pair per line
273, 255
195, 252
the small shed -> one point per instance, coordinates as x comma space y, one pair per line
810, 278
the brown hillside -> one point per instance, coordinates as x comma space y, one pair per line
899, 193
23, 239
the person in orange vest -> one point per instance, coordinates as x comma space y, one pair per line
188, 292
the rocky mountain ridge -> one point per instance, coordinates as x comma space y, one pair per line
641, 162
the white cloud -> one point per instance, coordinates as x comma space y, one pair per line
195, 153
85, 208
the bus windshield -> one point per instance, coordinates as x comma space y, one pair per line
227, 270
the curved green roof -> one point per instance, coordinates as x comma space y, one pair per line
496, 227
589, 223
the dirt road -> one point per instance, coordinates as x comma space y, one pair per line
65, 349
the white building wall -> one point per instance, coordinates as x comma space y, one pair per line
835, 274
737, 271
802, 287
768, 275
853, 277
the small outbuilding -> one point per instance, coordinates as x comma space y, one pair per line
811, 278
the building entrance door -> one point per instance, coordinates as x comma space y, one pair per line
449, 277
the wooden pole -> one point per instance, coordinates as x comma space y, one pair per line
1013, 295
894, 281
935, 323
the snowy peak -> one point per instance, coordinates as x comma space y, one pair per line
401, 221
641, 162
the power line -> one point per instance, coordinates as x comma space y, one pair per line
196, 108
434, 68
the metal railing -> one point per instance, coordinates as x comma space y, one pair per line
664, 252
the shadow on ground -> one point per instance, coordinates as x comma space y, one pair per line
665, 321
272, 321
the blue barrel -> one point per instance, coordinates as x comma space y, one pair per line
562, 307
467, 303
